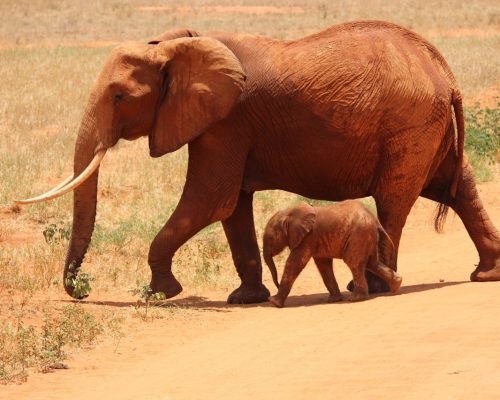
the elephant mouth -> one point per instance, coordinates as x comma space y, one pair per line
69, 183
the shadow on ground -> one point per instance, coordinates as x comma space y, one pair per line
204, 304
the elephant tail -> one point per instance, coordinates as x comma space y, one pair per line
442, 210
386, 250
459, 118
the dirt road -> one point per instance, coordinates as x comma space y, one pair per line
434, 340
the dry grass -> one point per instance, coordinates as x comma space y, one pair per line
51, 52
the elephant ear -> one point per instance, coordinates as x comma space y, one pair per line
202, 81
299, 222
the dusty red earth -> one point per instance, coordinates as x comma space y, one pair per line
438, 338
464, 32
256, 10
489, 97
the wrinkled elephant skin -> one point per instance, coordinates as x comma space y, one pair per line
358, 109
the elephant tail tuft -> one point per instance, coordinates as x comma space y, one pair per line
440, 218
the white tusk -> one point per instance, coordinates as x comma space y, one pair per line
61, 189
63, 183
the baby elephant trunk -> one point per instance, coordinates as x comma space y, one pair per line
268, 258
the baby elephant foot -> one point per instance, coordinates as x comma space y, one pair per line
165, 283
334, 298
375, 284
277, 301
395, 283
357, 296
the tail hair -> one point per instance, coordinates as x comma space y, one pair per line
440, 218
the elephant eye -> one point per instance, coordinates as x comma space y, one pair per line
117, 97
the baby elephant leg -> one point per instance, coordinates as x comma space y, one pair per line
391, 277
295, 263
325, 268
360, 291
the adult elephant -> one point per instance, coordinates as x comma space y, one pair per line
359, 109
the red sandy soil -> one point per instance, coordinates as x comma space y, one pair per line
10, 237
438, 338
464, 32
258, 10
255, 10
489, 97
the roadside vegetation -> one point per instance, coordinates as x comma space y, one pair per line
482, 139
50, 54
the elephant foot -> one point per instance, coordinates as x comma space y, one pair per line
276, 301
357, 296
483, 274
72, 293
165, 283
249, 295
334, 298
396, 283
375, 284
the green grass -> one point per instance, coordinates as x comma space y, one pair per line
482, 139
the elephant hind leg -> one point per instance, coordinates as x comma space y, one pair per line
392, 215
469, 207
325, 268
360, 285
391, 277
392, 211
397, 188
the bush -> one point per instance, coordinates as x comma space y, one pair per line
482, 138
25, 346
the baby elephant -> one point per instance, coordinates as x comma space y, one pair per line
346, 230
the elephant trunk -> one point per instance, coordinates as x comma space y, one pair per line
84, 200
268, 258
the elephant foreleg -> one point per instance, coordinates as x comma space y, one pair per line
240, 233
188, 219
295, 263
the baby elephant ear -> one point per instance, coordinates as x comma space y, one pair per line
300, 222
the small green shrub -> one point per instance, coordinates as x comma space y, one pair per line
80, 282
57, 233
17, 351
146, 297
483, 131
482, 138
25, 346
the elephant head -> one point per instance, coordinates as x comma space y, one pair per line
170, 91
286, 228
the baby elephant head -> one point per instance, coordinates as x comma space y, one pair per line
286, 228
